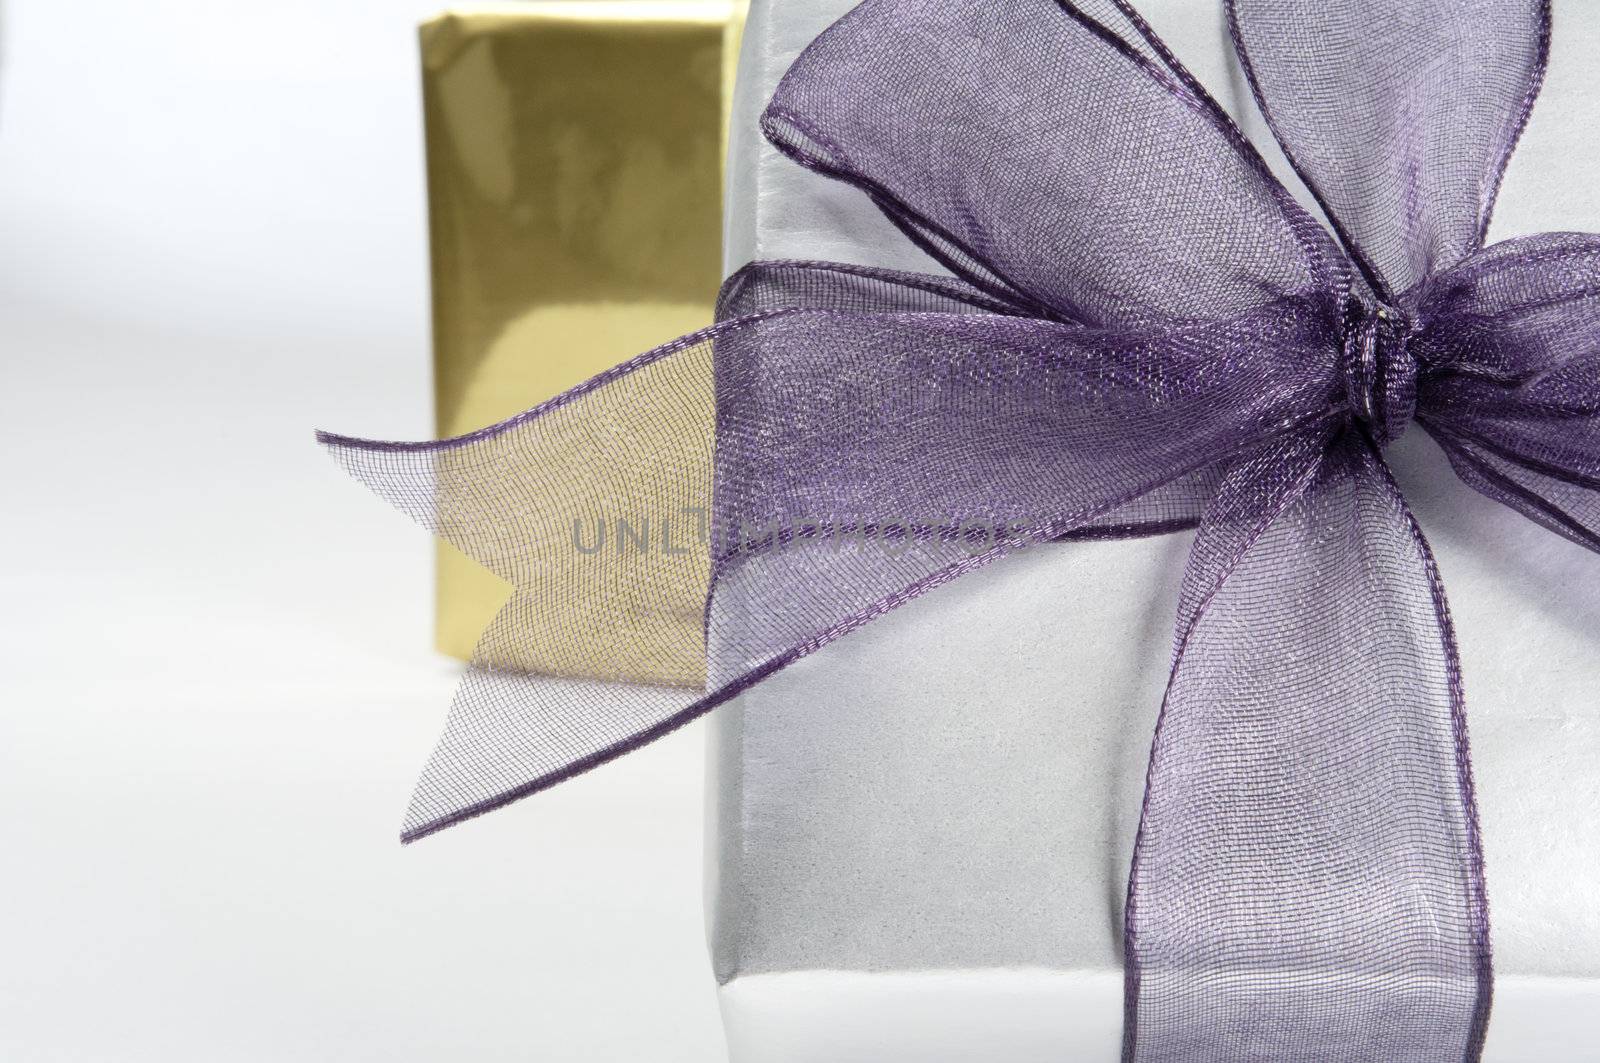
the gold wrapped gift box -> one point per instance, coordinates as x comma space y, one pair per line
575, 157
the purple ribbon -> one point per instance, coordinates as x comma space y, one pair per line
1144, 332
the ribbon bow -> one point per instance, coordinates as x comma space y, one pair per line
1142, 331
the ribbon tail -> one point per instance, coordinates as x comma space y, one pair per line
601, 642
596, 507
1307, 882
815, 466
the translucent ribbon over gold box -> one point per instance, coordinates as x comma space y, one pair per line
574, 189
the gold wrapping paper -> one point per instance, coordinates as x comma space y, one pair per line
574, 154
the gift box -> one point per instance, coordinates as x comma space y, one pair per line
1150, 347
921, 834
574, 156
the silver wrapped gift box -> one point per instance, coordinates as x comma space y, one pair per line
921, 834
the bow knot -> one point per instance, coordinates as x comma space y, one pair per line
1380, 370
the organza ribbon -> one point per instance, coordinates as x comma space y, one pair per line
1142, 331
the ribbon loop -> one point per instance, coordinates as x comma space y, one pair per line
996, 136
1399, 116
1510, 350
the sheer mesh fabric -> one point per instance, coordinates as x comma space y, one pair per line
1143, 331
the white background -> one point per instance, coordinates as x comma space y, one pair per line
215, 677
